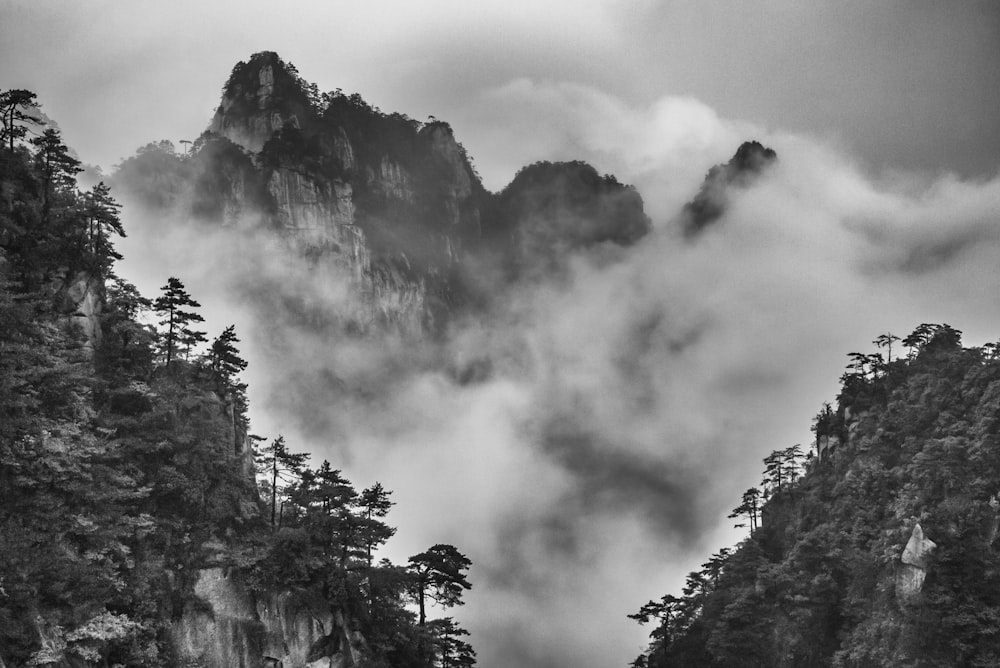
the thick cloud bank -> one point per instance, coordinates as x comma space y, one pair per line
584, 441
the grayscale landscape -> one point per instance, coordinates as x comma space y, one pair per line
522, 335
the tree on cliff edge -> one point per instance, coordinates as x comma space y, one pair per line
171, 305
439, 574
13, 115
282, 467
748, 508
224, 357
101, 215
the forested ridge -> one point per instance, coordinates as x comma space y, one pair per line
127, 463
880, 549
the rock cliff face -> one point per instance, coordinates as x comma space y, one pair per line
259, 100
223, 622
394, 202
225, 626
914, 559
390, 200
82, 303
219, 626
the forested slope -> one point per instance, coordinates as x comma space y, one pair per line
884, 552
133, 530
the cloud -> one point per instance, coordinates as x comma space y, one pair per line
584, 439
664, 148
904, 83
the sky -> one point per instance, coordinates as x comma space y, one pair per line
634, 401
900, 84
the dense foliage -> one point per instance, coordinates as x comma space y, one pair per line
820, 582
126, 463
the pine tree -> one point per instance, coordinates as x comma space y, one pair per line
13, 115
126, 344
749, 508
885, 341
224, 358
451, 651
56, 167
171, 305
282, 468
101, 217
439, 575
781, 468
375, 504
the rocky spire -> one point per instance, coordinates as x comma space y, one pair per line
259, 99
750, 160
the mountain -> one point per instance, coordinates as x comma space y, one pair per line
750, 161
884, 551
395, 202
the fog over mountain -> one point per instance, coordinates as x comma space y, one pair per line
583, 437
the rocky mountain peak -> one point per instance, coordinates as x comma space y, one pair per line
262, 96
552, 209
751, 157
750, 160
394, 201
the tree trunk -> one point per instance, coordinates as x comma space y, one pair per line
423, 615
274, 487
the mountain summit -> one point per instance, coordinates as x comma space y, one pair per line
393, 200
750, 161
259, 99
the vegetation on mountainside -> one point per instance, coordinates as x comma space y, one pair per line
914, 439
550, 210
125, 463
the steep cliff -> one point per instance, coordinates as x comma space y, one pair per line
392, 201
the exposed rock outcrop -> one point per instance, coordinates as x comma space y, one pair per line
220, 627
260, 99
394, 202
225, 626
387, 198
299, 634
826, 445
84, 303
914, 560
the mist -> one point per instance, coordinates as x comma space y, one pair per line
584, 439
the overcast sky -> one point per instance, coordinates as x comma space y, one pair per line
686, 364
911, 84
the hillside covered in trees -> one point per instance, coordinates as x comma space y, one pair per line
136, 527
878, 551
